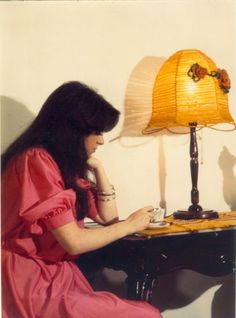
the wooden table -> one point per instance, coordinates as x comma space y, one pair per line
207, 247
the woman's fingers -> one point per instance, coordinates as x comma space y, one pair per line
140, 219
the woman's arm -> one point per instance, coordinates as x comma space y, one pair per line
107, 208
77, 241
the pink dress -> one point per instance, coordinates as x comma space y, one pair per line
39, 279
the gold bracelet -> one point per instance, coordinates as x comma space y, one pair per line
107, 199
103, 193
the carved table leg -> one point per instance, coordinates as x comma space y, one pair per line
140, 286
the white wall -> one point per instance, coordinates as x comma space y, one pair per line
44, 44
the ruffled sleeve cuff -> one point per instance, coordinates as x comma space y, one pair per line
57, 218
53, 212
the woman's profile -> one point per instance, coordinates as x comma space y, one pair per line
46, 195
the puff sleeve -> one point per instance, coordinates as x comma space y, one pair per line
43, 200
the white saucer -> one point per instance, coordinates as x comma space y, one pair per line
158, 224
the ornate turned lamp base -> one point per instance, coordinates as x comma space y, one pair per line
188, 215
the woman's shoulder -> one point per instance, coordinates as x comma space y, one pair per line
36, 151
37, 156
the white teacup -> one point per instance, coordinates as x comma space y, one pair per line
159, 214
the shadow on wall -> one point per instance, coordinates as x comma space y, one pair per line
15, 117
137, 113
181, 288
138, 109
223, 304
227, 162
177, 290
138, 96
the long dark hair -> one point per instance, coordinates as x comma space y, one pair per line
70, 113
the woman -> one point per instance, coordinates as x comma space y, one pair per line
46, 196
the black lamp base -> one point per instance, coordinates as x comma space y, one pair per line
189, 215
195, 211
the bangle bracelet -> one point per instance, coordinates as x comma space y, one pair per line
103, 193
106, 195
106, 199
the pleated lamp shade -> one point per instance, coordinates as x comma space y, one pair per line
178, 99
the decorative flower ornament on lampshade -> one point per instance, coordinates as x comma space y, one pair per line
189, 88
190, 91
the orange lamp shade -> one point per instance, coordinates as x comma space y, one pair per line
183, 94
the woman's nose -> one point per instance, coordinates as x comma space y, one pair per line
100, 140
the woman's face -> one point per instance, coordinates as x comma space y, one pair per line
92, 141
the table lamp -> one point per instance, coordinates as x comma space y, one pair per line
189, 90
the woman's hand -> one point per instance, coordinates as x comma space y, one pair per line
94, 163
140, 219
